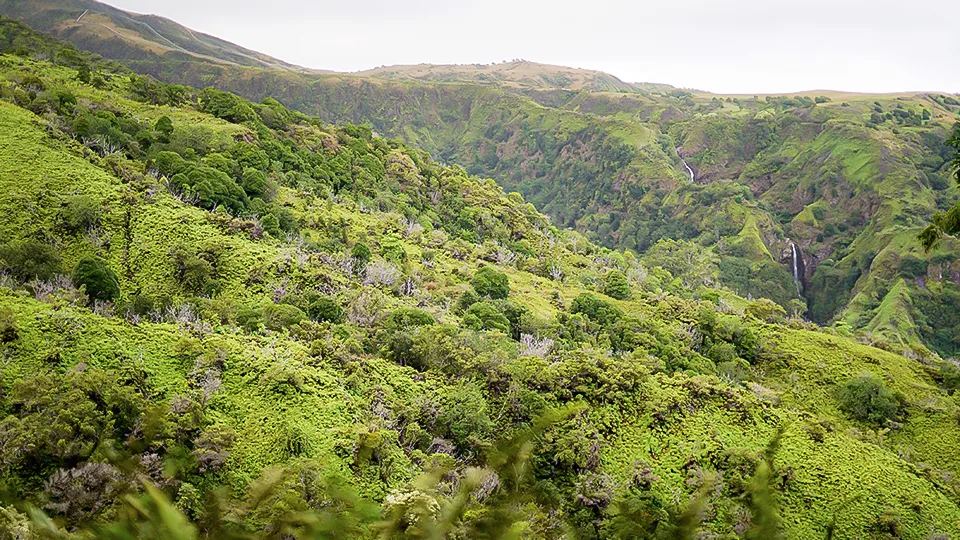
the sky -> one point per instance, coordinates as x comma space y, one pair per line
732, 46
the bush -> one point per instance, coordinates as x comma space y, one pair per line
491, 284
410, 317
324, 308
616, 286
95, 275
249, 318
361, 252
271, 225
766, 310
722, 352
949, 375
164, 127
466, 300
486, 316
254, 182
280, 316
8, 327
227, 106
192, 270
866, 398
80, 213
912, 266
595, 309
29, 259
170, 163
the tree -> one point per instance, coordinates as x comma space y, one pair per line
80, 213
616, 286
254, 182
945, 223
600, 311
491, 284
95, 275
271, 225
164, 127
280, 316
765, 310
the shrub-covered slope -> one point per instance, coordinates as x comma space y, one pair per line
199, 291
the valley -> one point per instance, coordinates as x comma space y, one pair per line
244, 299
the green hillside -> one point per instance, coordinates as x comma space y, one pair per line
848, 183
227, 319
846, 179
128, 36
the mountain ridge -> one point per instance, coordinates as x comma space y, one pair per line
85, 21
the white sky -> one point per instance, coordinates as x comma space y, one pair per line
742, 46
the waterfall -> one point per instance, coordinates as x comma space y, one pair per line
693, 176
796, 264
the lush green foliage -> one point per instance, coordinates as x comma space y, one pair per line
343, 377
488, 283
97, 279
866, 398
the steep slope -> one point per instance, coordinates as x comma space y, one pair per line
118, 34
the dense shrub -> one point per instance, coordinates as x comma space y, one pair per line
361, 253
466, 300
280, 316
486, 316
597, 310
409, 318
491, 284
164, 127
8, 327
324, 308
766, 310
912, 266
80, 213
866, 398
29, 259
227, 106
96, 277
616, 285
192, 270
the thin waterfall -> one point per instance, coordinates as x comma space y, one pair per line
796, 263
693, 176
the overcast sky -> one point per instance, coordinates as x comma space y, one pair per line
743, 46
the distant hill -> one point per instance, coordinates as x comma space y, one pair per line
515, 74
119, 34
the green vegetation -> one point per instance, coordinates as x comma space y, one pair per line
488, 283
843, 177
868, 399
947, 222
318, 332
97, 279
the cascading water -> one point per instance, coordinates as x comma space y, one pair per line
690, 172
796, 265
798, 268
